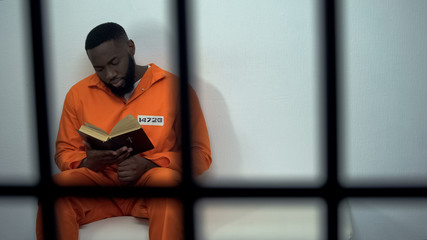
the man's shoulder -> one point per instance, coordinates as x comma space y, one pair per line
85, 83
160, 72
165, 78
83, 88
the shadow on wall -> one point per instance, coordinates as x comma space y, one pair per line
226, 160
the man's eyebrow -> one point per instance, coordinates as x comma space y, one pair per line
112, 59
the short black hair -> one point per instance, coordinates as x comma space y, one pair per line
104, 32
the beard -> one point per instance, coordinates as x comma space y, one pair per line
129, 80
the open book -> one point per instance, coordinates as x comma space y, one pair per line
127, 132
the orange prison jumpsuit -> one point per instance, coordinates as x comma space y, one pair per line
91, 101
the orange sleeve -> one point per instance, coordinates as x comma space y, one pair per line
200, 145
69, 147
201, 150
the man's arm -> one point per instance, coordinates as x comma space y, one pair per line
69, 148
200, 144
71, 152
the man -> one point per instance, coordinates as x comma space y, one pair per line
118, 88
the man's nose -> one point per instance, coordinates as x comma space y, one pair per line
111, 74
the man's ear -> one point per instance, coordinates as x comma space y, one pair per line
131, 47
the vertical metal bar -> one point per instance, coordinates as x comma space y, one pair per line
330, 96
46, 201
188, 199
183, 63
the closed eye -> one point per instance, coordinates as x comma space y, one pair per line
114, 61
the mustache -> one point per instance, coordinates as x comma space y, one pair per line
116, 79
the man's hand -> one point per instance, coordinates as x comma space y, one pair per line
97, 160
131, 169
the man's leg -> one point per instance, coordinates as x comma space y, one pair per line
71, 212
164, 214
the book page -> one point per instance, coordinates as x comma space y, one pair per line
127, 124
94, 132
95, 128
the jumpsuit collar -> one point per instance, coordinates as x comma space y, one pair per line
151, 76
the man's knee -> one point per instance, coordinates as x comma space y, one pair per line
74, 177
161, 177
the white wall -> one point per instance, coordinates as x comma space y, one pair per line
18, 155
255, 70
385, 110
18, 163
18, 218
386, 100
255, 66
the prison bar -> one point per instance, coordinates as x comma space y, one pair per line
329, 55
187, 196
219, 192
45, 184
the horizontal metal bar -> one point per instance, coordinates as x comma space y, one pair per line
213, 192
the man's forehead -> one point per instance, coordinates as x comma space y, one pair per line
105, 51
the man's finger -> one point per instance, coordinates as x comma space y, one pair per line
127, 179
123, 156
124, 175
123, 166
121, 150
86, 145
124, 163
105, 154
